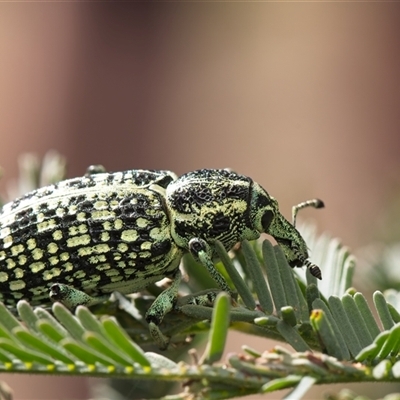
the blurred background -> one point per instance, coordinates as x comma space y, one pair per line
302, 97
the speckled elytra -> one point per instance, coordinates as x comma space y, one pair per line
81, 239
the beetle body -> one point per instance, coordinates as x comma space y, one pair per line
83, 238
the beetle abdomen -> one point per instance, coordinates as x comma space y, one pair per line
94, 233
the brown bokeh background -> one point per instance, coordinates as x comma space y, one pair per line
303, 97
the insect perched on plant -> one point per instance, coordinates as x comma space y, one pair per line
79, 240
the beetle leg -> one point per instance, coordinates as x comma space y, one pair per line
202, 252
72, 297
162, 305
203, 298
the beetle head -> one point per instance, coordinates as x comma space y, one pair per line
267, 218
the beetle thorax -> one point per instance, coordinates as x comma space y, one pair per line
211, 205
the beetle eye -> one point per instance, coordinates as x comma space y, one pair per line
267, 219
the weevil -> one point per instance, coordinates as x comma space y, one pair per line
79, 240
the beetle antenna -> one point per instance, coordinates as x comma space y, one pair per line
316, 203
314, 270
